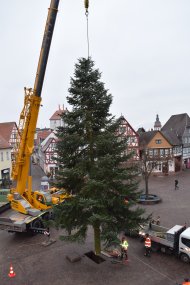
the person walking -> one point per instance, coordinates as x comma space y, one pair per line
176, 184
147, 245
124, 247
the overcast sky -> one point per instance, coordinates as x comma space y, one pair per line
141, 47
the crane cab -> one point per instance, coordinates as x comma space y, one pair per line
43, 200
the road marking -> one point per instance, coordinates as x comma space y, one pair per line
154, 269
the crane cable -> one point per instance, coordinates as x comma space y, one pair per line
86, 5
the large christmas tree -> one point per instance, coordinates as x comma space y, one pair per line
90, 155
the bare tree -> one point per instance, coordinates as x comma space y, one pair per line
148, 163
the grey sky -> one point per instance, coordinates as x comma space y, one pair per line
142, 48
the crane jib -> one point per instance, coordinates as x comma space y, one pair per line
48, 33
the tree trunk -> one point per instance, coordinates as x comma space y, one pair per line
97, 243
146, 187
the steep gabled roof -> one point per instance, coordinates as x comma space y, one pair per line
57, 115
172, 137
48, 142
42, 135
3, 143
177, 123
122, 120
141, 130
6, 130
50, 136
146, 137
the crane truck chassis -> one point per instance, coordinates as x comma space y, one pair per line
175, 240
13, 221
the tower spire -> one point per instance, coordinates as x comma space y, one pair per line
157, 124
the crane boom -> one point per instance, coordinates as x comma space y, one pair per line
29, 115
48, 33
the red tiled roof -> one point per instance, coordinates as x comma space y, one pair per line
42, 135
6, 130
4, 143
57, 114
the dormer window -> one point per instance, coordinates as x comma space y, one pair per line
158, 141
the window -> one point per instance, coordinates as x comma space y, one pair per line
158, 166
1, 156
155, 152
158, 141
161, 152
122, 129
7, 154
185, 150
186, 241
150, 152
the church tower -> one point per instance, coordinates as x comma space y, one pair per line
157, 124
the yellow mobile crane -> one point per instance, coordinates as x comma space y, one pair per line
26, 208
22, 198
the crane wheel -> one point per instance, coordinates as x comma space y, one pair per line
37, 224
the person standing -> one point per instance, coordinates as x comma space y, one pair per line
147, 245
176, 184
124, 248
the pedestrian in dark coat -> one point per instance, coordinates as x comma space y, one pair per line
176, 184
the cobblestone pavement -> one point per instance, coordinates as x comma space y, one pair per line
35, 264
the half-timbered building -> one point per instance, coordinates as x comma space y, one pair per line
161, 151
46, 154
126, 130
180, 124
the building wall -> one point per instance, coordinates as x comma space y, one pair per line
159, 168
54, 124
5, 161
166, 156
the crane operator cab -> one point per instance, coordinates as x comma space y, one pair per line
44, 200
38, 200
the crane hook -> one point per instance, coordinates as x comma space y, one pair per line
86, 5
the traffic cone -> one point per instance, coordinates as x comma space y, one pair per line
11, 273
